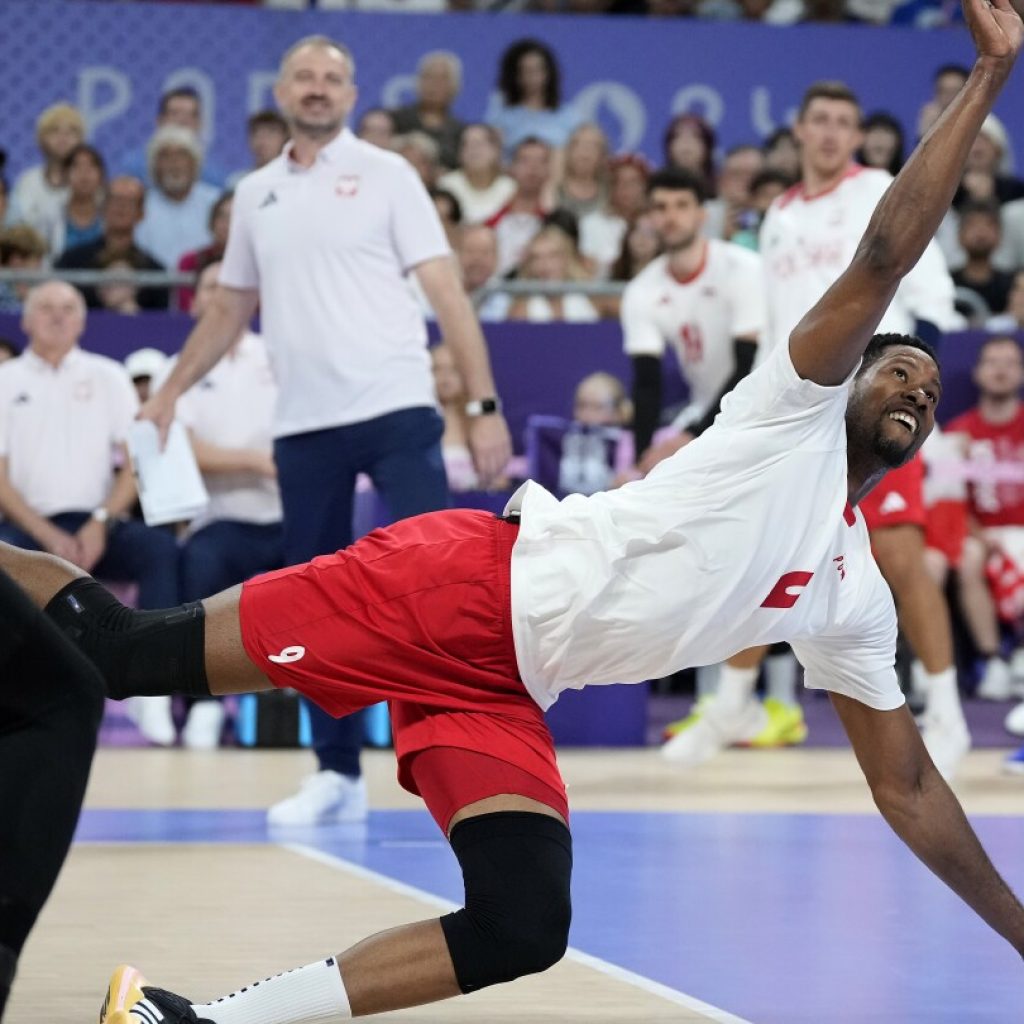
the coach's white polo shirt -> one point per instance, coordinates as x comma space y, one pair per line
329, 248
59, 428
233, 407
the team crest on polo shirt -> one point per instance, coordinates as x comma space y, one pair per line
346, 185
83, 390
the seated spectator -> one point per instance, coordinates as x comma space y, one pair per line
529, 104
450, 212
602, 231
640, 246
377, 127
229, 415
947, 81
144, 366
477, 252
21, 248
196, 262
438, 82
266, 132
181, 108
984, 177
883, 143
478, 183
782, 153
5, 191
118, 296
764, 190
689, 145
979, 236
551, 256
82, 219
122, 212
8, 350
583, 186
1010, 254
1013, 318
177, 214
522, 216
601, 400
730, 210
41, 191
421, 151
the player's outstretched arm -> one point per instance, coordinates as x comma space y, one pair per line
826, 345
922, 810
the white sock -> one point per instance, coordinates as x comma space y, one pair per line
735, 687
942, 698
780, 673
308, 995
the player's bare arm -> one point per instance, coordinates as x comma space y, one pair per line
922, 810
827, 344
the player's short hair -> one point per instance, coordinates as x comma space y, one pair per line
881, 343
827, 90
676, 179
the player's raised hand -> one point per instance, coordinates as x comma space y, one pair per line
996, 29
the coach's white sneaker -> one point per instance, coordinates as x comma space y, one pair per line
152, 716
716, 729
204, 725
996, 682
1015, 721
947, 741
324, 798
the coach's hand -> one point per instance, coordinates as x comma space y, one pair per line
996, 29
491, 446
159, 409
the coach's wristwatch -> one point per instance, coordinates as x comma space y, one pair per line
101, 515
484, 406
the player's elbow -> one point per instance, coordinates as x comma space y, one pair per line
879, 257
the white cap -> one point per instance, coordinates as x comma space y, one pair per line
145, 362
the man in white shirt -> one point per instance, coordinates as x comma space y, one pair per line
472, 624
324, 239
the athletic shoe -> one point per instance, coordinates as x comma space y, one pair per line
130, 1000
674, 728
947, 741
785, 726
204, 725
1014, 763
324, 798
1015, 721
152, 716
715, 730
996, 682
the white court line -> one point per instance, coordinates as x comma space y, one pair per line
594, 963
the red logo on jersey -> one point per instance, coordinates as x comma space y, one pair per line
782, 594
840, 566
346, 185
693, 343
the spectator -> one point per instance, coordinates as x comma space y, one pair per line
583, 187
450, 212
118, 296
478, 183
266, 132
883, 143
478, 262
8, 350
229, 416
122, 212
451, 397
640, 246
689, 145
21, 248
421, 151
946, 83
177, 214
82, 219
4, 188
144, 366
40, 192
764, 190
730, 210
782, 153
438, 81
1010, 254
181, 108
602, 231
1013, 318
377, 126
530, 101
552, 256
979, 237
600, 400
984, 177
522, 216
196, 262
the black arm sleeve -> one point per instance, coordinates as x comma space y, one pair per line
646, 400
743, 354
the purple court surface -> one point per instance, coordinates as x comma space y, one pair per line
777, 919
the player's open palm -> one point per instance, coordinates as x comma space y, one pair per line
996, 28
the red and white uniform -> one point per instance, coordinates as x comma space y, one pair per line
806, 242
898, 498
698, 316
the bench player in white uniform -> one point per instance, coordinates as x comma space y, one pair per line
472, 623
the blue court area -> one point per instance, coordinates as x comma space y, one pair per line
778, 919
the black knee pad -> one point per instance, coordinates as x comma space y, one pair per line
516, 867
138, 653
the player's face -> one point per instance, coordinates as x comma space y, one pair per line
892, 405
316, 91
999, 372
829, 134
677, 216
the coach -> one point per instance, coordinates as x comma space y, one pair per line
322, 239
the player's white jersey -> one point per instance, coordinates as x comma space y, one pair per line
807, 242
743, 537
699, 316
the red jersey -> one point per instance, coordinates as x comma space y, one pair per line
995, 467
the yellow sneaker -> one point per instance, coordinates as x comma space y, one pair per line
785, 726
675, 728
123, 992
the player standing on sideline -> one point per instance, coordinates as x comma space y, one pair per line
472, 624
323, 239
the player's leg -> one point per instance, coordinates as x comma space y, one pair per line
979, 611
51, 700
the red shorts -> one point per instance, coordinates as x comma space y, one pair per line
417, 614
898, 500
946, 529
